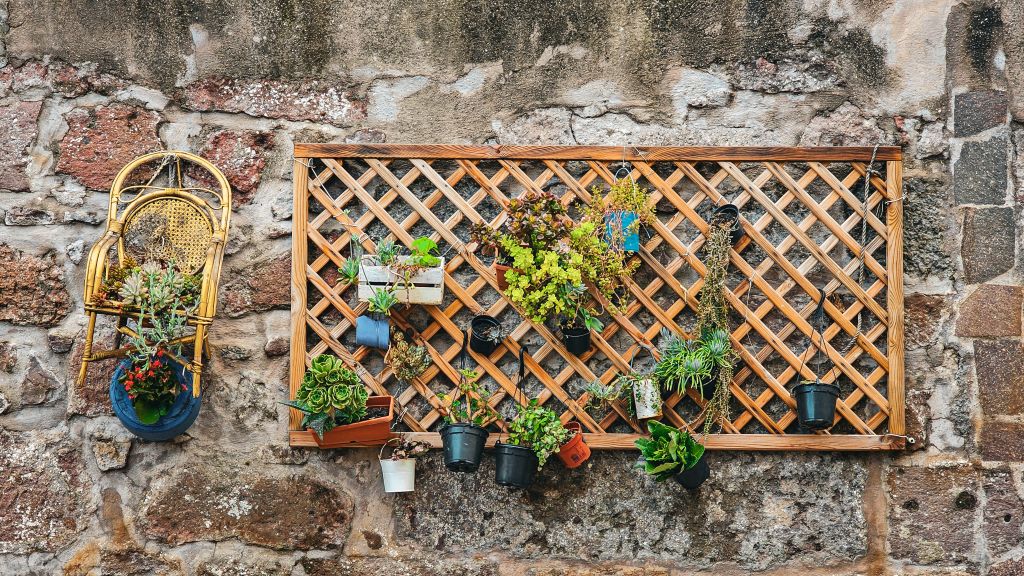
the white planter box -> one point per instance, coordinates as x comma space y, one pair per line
427, 287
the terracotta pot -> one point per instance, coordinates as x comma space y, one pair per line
499, 272
574, 452
374, 431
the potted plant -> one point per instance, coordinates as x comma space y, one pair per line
673, 453
692, 364
534, 435
490, 239
603, 395
728, 216
485, 334
336, 407
574, 452
399, 470
622, 210
414, 278
151, 392
643, 392
578, 320
815, 404
373, 329
463, 436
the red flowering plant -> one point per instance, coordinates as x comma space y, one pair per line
164, 306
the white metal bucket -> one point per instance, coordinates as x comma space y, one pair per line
399, 475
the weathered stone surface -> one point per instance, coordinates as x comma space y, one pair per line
932, 513
101, 140
1000, 370
991, 310
231, 352
1004, 511
110, 448
436, 566
8, 356
28, 216
258, 287
988, 243
928, 240
979, 176
845, 126
1007, 568
311, 101
698, 89
92, 397
975, 112
60, 341
294, 512
32, 289
43, 491
17, 131
239, 567
1002, 441
633, 518
39, 386
241, 155
276, 347
128, 561
924, 315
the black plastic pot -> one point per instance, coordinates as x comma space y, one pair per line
514, 466
708, 385
692, 478
463, 446
576, 340
816, 405
481, 324
729, 213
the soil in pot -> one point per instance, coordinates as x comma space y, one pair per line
692, 478
485, 335
576, 340
463, 446
514, 466
816, 405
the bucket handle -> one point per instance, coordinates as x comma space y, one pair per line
640, 346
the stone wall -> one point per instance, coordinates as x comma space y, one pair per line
86, 86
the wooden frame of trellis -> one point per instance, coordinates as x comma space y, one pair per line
794, 193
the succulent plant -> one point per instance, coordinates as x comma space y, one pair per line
330, 395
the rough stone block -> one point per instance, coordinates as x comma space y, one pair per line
32, 289
28, 216
979, 175
17, 131
1000, 370
975, 112
312, 101
992, 310
1002, 441
241, 155
101, 140
1004, 511
293, 512
924, 313
92, 397
932, 513
988, 243
258, 287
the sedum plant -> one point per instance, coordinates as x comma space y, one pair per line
623, 195
538, 428
405, 360
668, 451
330, 395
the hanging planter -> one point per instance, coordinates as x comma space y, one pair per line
816, 404
622, 230
374, 430
672, 453
179, 416
693, 477
514, 466
576, 339
729, 214
399, 470
574, 452
624, 208
414, 278
463, 446
646, 398
373, 330
485, 335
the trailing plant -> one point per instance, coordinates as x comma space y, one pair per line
382, 301
472, 406
538, 428
668, 451
403, 449
713, 319
603, 268
330, 395
538, 280
405, 360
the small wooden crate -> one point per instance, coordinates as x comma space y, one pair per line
427, 287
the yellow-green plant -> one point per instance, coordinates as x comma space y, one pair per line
330, 395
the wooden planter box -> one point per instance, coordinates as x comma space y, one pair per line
372, 431
427, 287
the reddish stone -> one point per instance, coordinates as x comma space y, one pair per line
991, 310
43, 491
999, 365
313, 101
1002, 441
8, 357
32, 289
92, 397
128, 561
923, 316
1007, 568
101, 140
218, 503
277, 347
260, 287
74, 81
1004, 512
17, 131
932, 515
241, 155
39, 384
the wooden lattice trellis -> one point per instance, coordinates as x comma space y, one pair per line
807, 230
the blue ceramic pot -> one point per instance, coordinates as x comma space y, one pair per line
178, 419
374, 332
618, 223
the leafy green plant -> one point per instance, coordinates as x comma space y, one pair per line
349, 270
330, 395
538, 428
668, 451
472, 406
603, 268
382, 301
387, 252
421, 256
538, 281
405, 360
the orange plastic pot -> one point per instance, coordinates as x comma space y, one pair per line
368, 432
499, 272
574, 452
